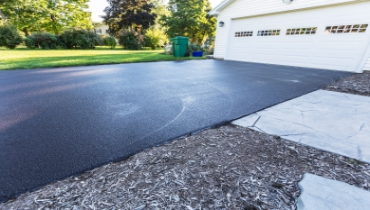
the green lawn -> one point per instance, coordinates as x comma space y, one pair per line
23, 58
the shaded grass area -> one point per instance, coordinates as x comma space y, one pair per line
23, 58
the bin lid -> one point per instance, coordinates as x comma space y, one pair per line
180, 37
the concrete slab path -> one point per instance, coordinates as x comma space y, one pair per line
63, 121
318, 193
332, 121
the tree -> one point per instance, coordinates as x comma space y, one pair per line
3, 2
46, 15
9, 36
190, 18
155, 35
64, 14
132, 15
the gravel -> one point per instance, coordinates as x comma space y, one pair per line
229, 167
358, 84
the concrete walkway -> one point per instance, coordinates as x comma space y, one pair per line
326, 194
332, 121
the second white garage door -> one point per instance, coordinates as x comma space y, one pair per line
335, 38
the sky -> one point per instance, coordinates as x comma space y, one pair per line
97, 7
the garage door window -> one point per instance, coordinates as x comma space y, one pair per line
357, 28
243, 33
301, 31
275, 32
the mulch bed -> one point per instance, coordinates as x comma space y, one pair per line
229, 167
358, 84
225, 168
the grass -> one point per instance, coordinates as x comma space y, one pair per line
23, 58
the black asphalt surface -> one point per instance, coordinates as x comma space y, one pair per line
59, 122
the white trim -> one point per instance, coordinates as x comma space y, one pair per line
364, 60
216, 11
220, 6
229, 37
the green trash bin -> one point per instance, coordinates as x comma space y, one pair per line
180, 46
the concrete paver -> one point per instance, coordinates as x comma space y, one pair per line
326, 194
332, 121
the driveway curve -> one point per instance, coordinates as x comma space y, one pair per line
58, 122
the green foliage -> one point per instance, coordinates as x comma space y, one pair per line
80, 39
209, 45
42, 40
155, 38
130, 41
9, 36
110, 41
150, 42
129, 14
47, 15
157, 32
194, 47
189, 18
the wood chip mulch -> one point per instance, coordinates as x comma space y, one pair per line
358, 84
225, 168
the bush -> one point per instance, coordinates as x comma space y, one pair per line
42, 40
194, 48
110, 41
150, 42
155, 38
130, 41
80, 39
9, 36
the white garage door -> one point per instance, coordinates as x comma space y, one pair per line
334, 37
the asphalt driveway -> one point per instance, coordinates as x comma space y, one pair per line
58, 122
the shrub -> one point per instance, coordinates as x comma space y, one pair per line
209, 45
155, 38
194, 47
42, 40
150, 42
130, 41
80, 39
9, 36
110, 41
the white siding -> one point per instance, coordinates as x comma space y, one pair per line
336, 51
101, 29
248, 8
367, 66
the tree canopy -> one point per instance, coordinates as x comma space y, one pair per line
129, 14
46, 15
189, 18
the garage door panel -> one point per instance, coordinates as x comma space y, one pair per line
341, 63
341, 46
320, 50
306, 45
296, 59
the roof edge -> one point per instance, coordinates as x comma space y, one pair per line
221, 6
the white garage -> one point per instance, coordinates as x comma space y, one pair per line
331, 34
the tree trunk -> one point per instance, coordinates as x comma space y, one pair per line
2, 15
26, 33
54, 23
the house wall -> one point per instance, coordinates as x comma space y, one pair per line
367, 65
101, 29
249, 8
